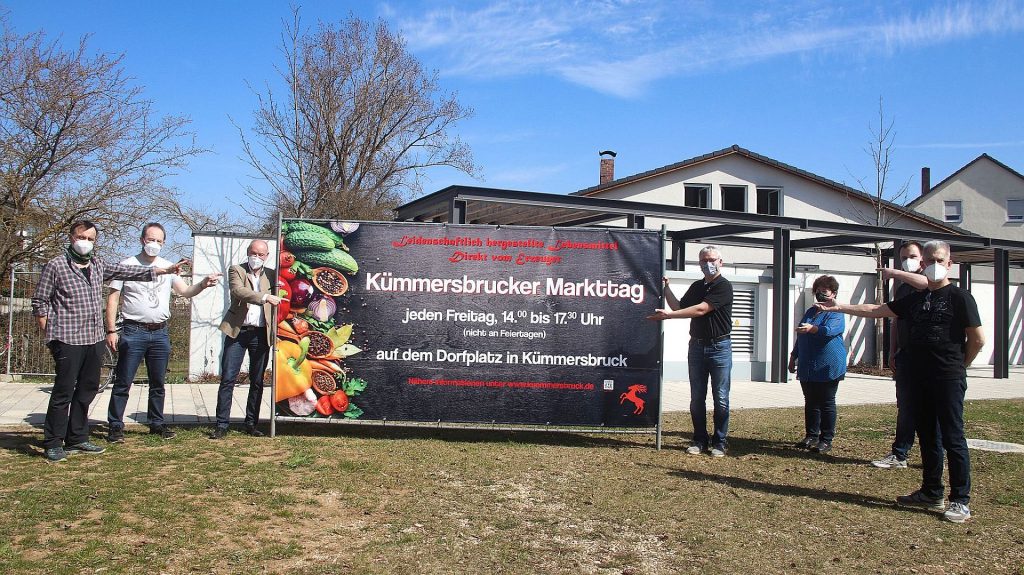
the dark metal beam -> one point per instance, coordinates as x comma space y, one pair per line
1001, 323
624, 207
678, 255
711, 232
881, 233
831, 241
457, 211
780, 306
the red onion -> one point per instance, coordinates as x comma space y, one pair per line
344, 228
321, 308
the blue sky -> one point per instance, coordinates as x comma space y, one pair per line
553, 83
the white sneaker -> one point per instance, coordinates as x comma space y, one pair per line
716, 452
890, 462
957, 512
694, 449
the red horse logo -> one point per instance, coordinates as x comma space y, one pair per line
633, 396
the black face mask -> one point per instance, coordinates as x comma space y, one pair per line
821, 297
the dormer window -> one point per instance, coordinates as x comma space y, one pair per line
1015, 210
953, 211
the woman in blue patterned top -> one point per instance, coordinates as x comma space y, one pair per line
819, 361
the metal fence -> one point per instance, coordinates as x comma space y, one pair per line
24, 352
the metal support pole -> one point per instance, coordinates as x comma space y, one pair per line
9, 344
1001, 325
678, 255
635, 221
965, 277
661, 345
457, 212
780, 307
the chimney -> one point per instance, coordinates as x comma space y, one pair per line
926, 180
607, 166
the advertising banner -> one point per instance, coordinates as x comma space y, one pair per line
468, 324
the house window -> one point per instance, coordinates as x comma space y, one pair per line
953, 210
697, 196
1015, 210
734, 198
768, 201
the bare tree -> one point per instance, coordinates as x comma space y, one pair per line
880, 148
357, 127
77, 140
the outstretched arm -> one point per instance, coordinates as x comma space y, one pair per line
861, 309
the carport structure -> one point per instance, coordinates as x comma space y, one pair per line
788, 237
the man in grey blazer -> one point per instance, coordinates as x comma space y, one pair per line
247, 327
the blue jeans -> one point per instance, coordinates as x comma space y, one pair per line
904, 410
939, 410
820, 409
135, 344
712, 361
253, 341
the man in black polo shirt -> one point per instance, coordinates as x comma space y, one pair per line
911, 278
708, 305
945, 337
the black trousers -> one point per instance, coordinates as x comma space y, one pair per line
74, 388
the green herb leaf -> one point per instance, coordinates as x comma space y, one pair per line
354, 386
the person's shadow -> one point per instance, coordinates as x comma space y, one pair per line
23, 442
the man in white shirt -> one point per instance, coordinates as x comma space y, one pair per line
247, 329
145, 310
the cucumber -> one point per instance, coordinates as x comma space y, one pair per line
303, 240
335, 259
299, 226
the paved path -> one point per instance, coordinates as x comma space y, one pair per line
195, 403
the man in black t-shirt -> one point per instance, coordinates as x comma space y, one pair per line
945, 337
911, 278
708, 305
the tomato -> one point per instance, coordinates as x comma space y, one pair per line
284, 269
324, 407
339, 401
287, 259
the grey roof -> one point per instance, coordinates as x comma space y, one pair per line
735, 149
952, 176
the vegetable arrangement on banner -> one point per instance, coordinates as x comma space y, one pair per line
468, 324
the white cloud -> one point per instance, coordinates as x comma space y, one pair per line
623, 47
962, 145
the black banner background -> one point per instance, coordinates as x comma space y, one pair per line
483, 357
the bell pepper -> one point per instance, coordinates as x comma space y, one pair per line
294, 373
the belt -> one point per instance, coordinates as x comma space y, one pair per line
144, 325
248, 327
710, 340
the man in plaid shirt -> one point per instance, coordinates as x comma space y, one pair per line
68, 304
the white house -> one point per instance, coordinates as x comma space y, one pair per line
985, 196
736, 179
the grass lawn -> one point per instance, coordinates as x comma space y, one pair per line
331, 499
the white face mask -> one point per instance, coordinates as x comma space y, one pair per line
710, 269
152, 249
255, 262
935, 272
911, 265
82, 247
